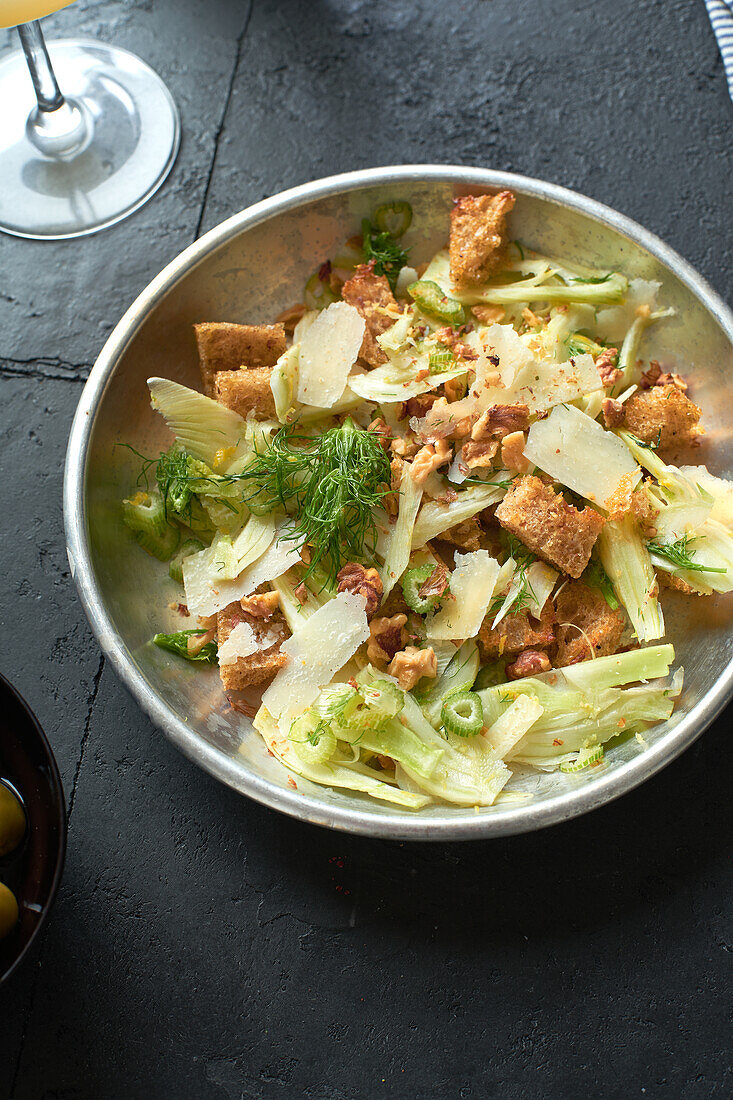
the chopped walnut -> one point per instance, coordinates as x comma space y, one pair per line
512, 452
411, 664
290, 317
429, 458
656, 377
606, 367
644, 512
501, 420
391, 500
362, 582
531, 318
529, 663
418, 406
301, 592
614, 412
405, 446
454, 389
262, 605
488, 315
386, 637
479, 455
436, 583
306, 554
196, 642
380, 428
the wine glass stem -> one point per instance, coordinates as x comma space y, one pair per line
44, 80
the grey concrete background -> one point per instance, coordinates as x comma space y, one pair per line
201, 945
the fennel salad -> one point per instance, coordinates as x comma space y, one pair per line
425, 514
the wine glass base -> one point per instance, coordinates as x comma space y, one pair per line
133, 137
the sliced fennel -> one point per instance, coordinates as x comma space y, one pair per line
333, 774
211, 577
587, 704
284, 383
458, 674
202, 426
629, 567
434, 518
510, 727
399, 537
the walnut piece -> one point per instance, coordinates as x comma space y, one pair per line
614, 413
411, 664
380, 428
386, 637
436, 583
480, 455
261, 605
606, 367
362, 582
429, 458
501, 420
512, 452
529, 663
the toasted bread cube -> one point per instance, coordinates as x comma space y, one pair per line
256, 667
586, 626
664, 416
372, 296
549, 526
246, 391
515, 633
478, 236
224, 347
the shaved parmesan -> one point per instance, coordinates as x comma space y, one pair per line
217, 576
577, 451
323, 645
533, 586
510, 727
202, 426
241, 642
328, 351
472, 584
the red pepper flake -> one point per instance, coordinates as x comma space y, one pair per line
183, 610
292, 783
557, 741
324, 271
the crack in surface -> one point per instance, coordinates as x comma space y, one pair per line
43, 368
222, 120
92, 698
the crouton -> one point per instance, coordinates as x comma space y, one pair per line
372, 296
246, 391
548, 526
227, 347
256, 667
515, 633
586, 625
664, 416
478, 236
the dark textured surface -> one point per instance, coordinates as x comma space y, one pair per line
202, 945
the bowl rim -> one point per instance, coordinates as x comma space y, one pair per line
62, 819
463, 824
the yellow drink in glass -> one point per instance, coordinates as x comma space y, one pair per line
15, 12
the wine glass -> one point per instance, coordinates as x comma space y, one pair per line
81, 152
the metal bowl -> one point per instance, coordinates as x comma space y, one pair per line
247, 270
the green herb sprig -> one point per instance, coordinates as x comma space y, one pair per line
678, 553
388, 255
332, 483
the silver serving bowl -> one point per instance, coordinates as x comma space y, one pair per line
247, 270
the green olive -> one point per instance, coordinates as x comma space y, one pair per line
8, 911
12, 821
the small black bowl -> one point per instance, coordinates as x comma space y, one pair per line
33, 870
